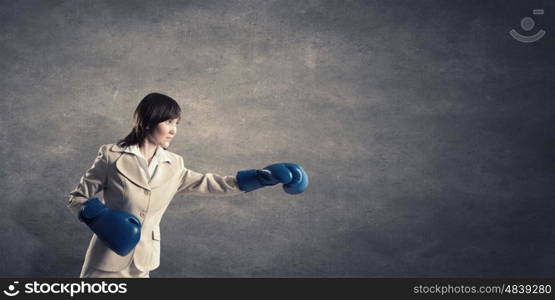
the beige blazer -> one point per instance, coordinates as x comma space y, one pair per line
117, 174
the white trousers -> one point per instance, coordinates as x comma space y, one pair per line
129, 272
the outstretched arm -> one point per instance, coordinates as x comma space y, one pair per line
292, 176
209, 183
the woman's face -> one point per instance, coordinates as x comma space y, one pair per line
164, 132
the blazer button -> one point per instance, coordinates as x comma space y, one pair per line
147, 192
142, 214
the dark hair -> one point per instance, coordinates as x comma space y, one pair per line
153, 109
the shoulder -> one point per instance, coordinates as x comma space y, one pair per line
174, 157
111, 148
110, 151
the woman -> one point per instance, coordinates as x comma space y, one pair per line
139, 178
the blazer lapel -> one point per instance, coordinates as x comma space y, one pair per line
164, 172
127, 165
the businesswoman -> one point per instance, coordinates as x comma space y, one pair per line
139, 177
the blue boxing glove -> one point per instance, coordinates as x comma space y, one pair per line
119, 230
293, 177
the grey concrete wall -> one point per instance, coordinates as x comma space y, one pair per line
426, 129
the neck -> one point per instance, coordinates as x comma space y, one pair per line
148, 149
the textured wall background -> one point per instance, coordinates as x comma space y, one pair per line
427, 130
